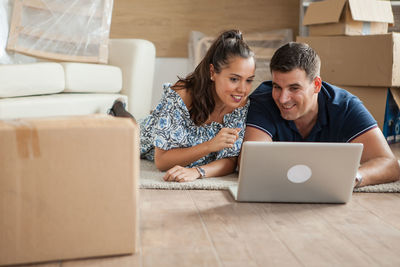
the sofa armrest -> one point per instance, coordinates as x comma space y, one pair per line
136, 58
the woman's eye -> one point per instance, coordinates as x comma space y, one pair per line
234, 79
249, 81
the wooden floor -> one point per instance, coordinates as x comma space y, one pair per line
208, 228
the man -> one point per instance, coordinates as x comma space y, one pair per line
298, 106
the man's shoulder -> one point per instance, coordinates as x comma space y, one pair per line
345, 107
263, 89
337, 96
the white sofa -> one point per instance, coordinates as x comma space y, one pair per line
47, 89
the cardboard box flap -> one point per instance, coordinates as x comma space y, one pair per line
396, 95
324, 12
329, 11
371, 10
396, 58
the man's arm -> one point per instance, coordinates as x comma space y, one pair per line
378, 164
254, 134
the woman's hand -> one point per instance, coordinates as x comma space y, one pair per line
224, 139
181, 174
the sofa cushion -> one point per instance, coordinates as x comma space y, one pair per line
92, 78
63, 104
31, 79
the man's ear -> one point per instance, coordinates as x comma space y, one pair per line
317, 83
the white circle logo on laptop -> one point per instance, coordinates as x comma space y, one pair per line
299, 173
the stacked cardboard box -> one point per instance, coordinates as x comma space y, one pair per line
359, 55
68, 188
348, 17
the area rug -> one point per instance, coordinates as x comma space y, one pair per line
151, 178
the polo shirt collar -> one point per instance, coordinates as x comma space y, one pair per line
322, 113
322, 118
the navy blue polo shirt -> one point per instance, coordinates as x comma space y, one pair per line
341, 116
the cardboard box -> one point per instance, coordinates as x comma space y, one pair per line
383, 103
391, 127
370, 60
348, 17
68, 188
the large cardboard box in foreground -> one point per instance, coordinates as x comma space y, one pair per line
370, 60
383, 103
68, 188
348, 17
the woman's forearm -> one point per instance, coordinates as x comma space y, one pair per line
214, 169
220, 167
166, 159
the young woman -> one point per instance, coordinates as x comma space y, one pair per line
197, 128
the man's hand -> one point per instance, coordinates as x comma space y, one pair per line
378, 164
181, 174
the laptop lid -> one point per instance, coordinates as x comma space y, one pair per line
298, 172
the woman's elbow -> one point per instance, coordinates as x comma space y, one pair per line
160, 160
159, 165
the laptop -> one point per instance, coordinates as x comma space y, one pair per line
297, 172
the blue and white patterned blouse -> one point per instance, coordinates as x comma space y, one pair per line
170, 126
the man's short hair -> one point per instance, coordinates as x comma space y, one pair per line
296, 55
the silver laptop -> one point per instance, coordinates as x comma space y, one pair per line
297, 172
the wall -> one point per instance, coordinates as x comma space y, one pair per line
167, 70
167, 23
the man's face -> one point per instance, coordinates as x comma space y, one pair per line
295, 95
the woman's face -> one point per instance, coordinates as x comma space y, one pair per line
233, 83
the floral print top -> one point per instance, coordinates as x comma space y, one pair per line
170, 126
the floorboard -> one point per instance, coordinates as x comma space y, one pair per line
208, 228
312, 239
172, 233
239, 233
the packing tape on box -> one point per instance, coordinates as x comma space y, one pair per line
366, 28
27, 139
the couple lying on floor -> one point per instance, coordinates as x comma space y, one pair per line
198, 127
